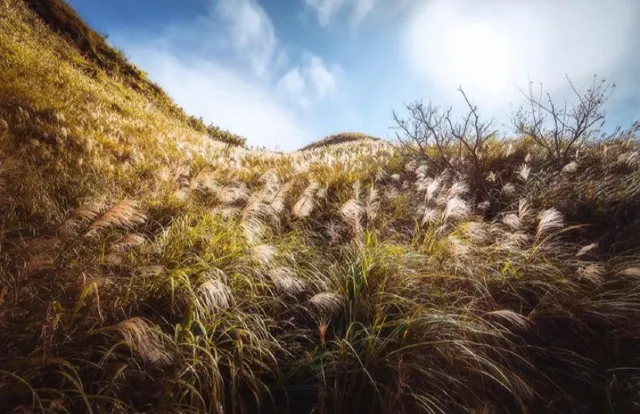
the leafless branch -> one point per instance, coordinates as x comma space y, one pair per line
559, 129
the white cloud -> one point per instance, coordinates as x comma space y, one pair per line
361, 10
313, 82
324, 80
252, 33
229, 67
490, 47
325, 9
328, 10
221, 96
294, 85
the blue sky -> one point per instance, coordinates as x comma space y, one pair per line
285, 73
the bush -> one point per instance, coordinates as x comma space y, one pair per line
219, 134
434, 137
560, 128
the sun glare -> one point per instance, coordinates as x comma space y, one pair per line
475, 54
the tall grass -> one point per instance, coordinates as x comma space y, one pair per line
146, 268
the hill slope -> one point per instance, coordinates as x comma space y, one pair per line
338, 139
147, 268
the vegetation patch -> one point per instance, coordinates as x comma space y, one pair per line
145, 267
338, 139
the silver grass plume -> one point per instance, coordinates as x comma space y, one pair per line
430, 215
122, 215
129, 241
327, 302
357, 187
351, 213
286, 281
523, 209
515, 240
277, 202
509, 189
587, 249
432, 188
515, 221
629, 159
593, 272
456, 209
333, 231
146, 340
512, 220
381, 175
304, 205
457, 189
631, 272
523, 172
323, 192
484, 206
570, 168
204, 181
509, 150
253, 229
477, 233
548, 220
422, 171
411, 166
83, 214
214, 294
263, 254
372, 203
232, 195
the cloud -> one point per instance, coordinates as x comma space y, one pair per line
229, 67
221, 96
324, 80
295, 86
251, 32
361, 10
325, 9
490, 47
312, 82
328, 10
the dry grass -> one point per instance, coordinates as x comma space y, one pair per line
147, 268
340, 138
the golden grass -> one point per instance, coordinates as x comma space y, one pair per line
340, 138
146, 268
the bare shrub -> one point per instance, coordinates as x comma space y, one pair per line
435, 137
559, 128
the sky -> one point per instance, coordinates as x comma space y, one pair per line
284, 73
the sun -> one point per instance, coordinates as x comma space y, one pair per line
477, 54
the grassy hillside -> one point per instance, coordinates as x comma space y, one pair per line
338, 139
145, 267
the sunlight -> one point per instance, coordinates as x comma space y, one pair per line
482, 51
464, 51
492, 49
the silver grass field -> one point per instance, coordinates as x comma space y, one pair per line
145, 267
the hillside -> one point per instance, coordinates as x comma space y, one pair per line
146, 267
338, 139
